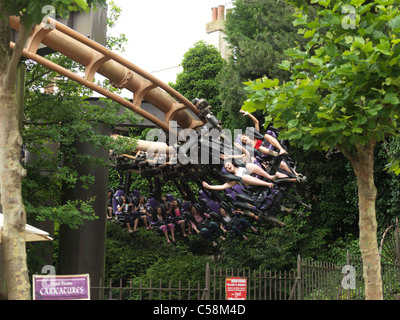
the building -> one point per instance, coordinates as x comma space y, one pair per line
216, 31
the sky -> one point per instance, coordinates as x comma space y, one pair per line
160, 32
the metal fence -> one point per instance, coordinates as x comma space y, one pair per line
311, 280
261, 285
343, 281
151, 290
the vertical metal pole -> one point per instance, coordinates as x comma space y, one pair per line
397, 245
348, 263
299, 278
207, 288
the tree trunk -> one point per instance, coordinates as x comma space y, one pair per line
363, 165
11, 173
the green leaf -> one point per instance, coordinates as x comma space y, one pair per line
259, 95
323, 115
367, 47
249, 106
330, 20
318, 130
394, 24
285, 65
293, 134
345, 70
295, 53
316, 60
324, 3
293, 123
357, 130
309, 33
336, 126
383, 46
82, 4
301, 19
357, 3
391, 98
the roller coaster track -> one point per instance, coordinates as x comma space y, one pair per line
123, 74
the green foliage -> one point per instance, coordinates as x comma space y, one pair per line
392, 148
343, 89
54, 122
257, 32
275, 248
186, 267
115, 43
31, 12
148, 256
388, 200
72, 213
201, 65
343, 92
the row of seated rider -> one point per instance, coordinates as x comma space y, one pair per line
212, 225
135, 209
168, 216
122, 207
208, 219
174, 216
254, 172
267, 146
112, 202
231, 221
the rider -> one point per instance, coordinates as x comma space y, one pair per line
232, 223
207, 228
244, 175
258, 145
160, 221
254, 168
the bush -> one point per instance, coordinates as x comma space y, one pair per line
143, 254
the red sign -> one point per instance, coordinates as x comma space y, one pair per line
236, 288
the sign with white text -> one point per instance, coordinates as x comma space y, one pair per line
71, 287
236, 288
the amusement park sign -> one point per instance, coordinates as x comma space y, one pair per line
236, 288
75, 287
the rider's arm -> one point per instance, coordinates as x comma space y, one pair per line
253, 118
226, 185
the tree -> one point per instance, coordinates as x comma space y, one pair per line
201, 65
343, 94
257, 32
11, 171
52, 122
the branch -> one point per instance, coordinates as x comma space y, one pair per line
43, 124
37, 77
23, 35
350, 156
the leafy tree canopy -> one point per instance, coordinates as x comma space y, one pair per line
201, 65
257, 32
344, 84
32, 12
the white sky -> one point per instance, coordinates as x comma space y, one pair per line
159, 32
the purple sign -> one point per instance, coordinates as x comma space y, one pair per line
75, 287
